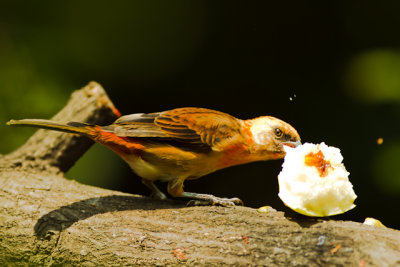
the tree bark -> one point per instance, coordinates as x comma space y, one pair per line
46, 219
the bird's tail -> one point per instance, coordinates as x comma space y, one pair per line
71, 127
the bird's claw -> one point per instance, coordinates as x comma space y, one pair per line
216, 201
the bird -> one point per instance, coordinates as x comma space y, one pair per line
184, 144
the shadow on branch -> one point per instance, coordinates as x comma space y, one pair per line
63, 217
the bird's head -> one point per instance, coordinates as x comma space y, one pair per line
270, 135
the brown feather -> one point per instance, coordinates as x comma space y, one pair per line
187, 125
213, 127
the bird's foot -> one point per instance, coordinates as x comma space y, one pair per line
155, 192
158, 195
210, 200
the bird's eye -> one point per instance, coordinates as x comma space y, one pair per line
278, 132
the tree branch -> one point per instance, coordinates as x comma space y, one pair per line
59, 150
46, 219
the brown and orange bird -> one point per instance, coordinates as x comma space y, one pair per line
184, 144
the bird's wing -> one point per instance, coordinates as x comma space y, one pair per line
188, 125
136, 125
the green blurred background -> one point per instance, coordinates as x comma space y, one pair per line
331, 70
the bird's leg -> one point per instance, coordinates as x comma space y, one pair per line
175, 189
206, 199
156, 193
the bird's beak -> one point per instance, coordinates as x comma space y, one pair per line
291, 144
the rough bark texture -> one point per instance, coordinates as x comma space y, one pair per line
46, 219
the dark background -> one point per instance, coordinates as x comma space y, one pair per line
330, 70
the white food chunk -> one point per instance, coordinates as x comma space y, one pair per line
314, 181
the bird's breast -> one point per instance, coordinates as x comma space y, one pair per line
234, 155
